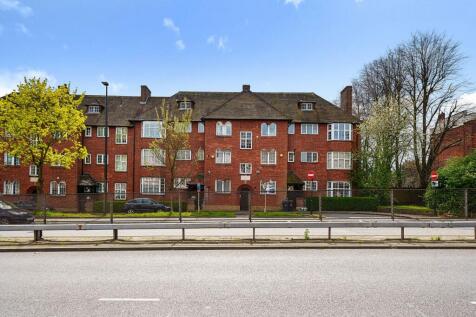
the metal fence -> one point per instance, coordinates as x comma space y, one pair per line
458, 203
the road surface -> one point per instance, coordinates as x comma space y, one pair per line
240, 283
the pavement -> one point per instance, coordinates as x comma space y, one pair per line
368, 282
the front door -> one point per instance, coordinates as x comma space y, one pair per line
245, 199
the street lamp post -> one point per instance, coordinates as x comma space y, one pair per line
106, 156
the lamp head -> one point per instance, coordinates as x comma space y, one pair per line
105, 83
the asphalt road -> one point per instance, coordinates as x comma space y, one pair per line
240, 283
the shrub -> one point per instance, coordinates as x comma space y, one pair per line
343, 203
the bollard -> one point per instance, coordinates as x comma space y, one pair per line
115, 234
254, 234
329, 233
320, 207
402, 233
474, 233
183, 233
391, 205
36, 235
466, 203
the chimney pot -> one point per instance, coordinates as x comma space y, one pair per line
346, 99
246, 88
144, 93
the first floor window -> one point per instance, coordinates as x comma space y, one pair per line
339, 160
223, 186
33, 171
200, 154
10, 160
100, 188
338, 189
88, 132
245, 168
150, 157
151, 129
291, 128
309, 157
121, 163
11, 187
246, 140
87, 159
223, 129
201, 127
290, 157
100, 159
339, 132
184, 155
120, 191
101, 132
268, 129
268, 157
181, 182
152, 185
268, 187
309, 128
57, 188
121, 135
223, 157
310, 186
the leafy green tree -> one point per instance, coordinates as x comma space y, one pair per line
42, 125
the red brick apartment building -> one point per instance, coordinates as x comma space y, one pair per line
247, 142
461, 138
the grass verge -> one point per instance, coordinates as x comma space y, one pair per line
407, 209
159, 214
279, 214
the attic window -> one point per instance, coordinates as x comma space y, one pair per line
185, 105
94, 109
307, 106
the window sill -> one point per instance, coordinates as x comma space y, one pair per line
154, 194
339, 169
222, 193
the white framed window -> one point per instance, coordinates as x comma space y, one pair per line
88, 132
222, 186
291, 128
309, 128
339, 132
150, 157
201, 127
100, 159
11, 187
200, 154
185, 105
309, 157
339, 160
267, 187
223, 129
33, 170
121, 163
152, 129
101, 132
57, 188
120, 191
56, 164
268, 129
245, 168
246, 140
181, 182
307, 106
184, 155
310, 186
10, 160
94, 109
100, 187
121, 135
188, 128
291, 157
223, 157
338, 189
87, 159
152, 185
268, 157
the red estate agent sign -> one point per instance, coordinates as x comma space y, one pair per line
434, 176
310, 175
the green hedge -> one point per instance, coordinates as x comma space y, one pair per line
175, 205
343, 203
117, 205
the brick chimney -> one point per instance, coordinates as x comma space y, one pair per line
346, 99
246, 88
144, 93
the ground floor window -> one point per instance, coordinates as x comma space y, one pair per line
310, 186
152, 185
268, 187
338, 189
181, 182
11, 187
57, 188
120, 191
223, 186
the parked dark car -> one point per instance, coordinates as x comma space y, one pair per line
9, 213
144, 205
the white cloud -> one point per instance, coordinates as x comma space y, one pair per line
180, 45
115, 88
15, 5
9, 80
295, 3
218, 41
468, 101
169, 24
22, 29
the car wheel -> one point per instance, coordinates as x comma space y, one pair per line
4, 221
130, 211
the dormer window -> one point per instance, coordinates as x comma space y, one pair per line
307, 106
94, 109
185, 105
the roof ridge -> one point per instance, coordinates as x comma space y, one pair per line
221, 106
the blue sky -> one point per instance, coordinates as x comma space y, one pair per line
216, 45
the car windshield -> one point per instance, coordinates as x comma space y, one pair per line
5, 205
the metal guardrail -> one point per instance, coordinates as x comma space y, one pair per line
115, 227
